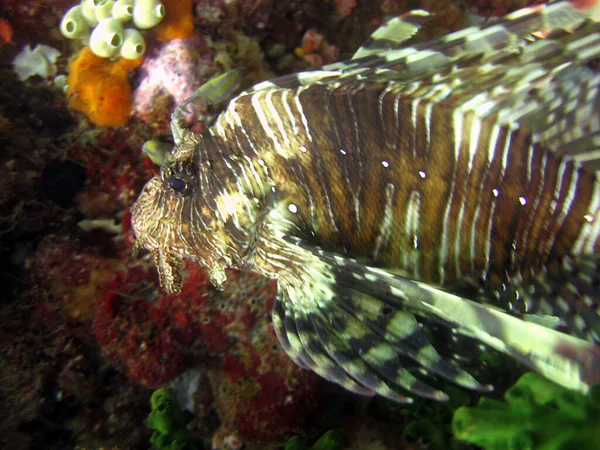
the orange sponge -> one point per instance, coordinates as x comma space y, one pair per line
100, 89
178, 22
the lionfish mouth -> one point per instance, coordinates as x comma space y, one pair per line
146, 225
156, 234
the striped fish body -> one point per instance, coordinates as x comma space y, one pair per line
414, 184
468, 161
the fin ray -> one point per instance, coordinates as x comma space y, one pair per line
323, 365
352, 362
401, 329
372, 353
566, 360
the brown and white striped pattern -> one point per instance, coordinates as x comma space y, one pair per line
469, 195
470, 158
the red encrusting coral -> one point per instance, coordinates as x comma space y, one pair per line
6, 32
135, 332
72, 271
114, 177
262, 396
139, 336
151, 336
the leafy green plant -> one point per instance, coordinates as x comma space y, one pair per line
537, 414
169, 423
332, 440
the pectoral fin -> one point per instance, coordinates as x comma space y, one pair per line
361, 342
356, 326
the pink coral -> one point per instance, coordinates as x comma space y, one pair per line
174, 70
315, 50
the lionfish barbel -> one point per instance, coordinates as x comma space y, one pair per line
451, 183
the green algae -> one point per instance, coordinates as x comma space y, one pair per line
332, 440
169, 423
536, 414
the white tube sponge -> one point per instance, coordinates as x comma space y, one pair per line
73, 25
134, 45
104, 9
88, 10
123, 10
147, 13
107, 38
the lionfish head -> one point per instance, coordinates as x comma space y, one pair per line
172, 221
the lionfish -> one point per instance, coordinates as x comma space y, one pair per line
451, 183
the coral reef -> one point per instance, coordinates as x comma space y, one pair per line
537, 414
315, 50
100, 89
259, 393
32, 22
137, 335
263, 397
85, 328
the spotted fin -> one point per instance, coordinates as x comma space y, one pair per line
357, 326
572, 287
509, 33
348, 336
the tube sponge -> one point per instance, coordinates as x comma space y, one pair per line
100, 89
148, 13
104, 9
88, 10
123, 10
73, 25
178, 22
107, 38
133, 44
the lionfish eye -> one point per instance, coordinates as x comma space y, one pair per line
179, 185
